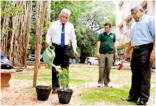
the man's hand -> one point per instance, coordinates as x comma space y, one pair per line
75, 53
48, 44
124, 57
58, 68
98, 55
152, 57
116, 55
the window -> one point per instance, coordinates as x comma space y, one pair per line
121, 29
129, 23
121, 5
145, 8
154, 6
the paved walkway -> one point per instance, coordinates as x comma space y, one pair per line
95, 84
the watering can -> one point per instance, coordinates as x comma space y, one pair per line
49, 55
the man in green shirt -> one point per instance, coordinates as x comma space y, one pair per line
106, 46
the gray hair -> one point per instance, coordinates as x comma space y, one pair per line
64, 10
138, 8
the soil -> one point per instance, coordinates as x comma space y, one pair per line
15, 95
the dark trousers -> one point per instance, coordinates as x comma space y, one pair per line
62, 55
141, 73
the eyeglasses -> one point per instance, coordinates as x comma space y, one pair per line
134, 13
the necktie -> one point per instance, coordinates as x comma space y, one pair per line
62, 35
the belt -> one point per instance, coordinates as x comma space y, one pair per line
54, 44
141, 46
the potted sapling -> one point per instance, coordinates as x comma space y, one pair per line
64, 93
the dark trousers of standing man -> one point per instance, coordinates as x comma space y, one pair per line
141, 72
62, 55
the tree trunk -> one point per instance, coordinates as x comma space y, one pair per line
38, 38
83, 56
13, 41
47, 19
28, 27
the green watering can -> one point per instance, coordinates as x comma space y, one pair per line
49, 55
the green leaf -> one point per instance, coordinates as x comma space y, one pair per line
63, 77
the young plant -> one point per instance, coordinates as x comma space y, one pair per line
63, 77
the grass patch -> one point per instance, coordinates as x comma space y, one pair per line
152, 89
94, 96
45, 73
22, 76
86, 74
76, 81
44, 79
29, 91
102, 96
120, 77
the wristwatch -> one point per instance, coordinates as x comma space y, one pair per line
154, 51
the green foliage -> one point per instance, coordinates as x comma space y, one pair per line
98, 12
121, 51
9, 9
63, 78
87, 41
88, 18
46, 26
33, 28
32, 43
11, 29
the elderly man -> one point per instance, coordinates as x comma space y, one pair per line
142, 40
61, 31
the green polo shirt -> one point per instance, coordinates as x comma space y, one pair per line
107, 42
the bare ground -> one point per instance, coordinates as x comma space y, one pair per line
14, 94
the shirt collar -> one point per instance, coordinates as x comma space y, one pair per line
106, 33
140, 18
61, 23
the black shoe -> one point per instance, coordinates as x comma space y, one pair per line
141, 102
129, 99
54, 91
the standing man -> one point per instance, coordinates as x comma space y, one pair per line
61, 32
106, 46
142, 40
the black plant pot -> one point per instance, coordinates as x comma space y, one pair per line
64, 96
42, 92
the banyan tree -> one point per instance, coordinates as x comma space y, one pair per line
15, 30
